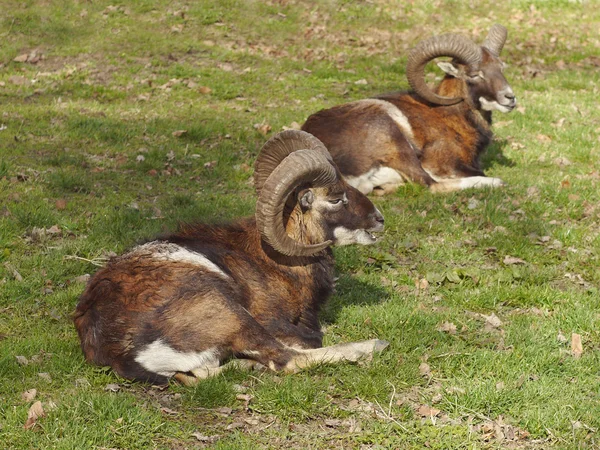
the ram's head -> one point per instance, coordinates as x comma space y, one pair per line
304, 205
479, 67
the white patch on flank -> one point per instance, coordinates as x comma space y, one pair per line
382, 176
393, 111
173, 252
159, 358
379, 176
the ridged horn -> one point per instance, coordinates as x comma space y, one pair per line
453, 45
280, 146
300, 167
495, 39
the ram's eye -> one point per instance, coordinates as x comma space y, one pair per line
337, 201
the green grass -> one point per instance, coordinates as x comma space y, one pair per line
89, 165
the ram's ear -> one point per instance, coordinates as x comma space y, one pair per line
306, 198
449, 68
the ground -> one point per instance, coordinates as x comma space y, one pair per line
119, 120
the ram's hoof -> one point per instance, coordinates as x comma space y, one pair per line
380, 345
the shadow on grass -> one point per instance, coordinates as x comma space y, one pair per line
494, 155
351, 291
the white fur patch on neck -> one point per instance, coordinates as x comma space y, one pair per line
160, 358
493, 105
344, 236
172, 252
391, 110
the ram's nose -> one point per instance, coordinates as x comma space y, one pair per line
379, 219
507, 98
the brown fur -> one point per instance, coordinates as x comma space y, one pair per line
265, 304
446, 141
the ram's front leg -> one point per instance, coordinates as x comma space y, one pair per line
192, 377
294, 335
352, 351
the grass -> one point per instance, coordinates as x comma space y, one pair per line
90, 164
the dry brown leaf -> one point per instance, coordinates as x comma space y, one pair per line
353, 426
179, 133
204, 90
561, 338
544, 138
422, 284
210, 164
576, 345
35, 412
168, 411
428, 411
562, 161
509, 260
293, 126
492, 320
15, 273
447, 327
424, 370
244, 397
234, 425
203, 438
53, 230
333, 423
226, 67
60, 204
45, 376
28, 395
252, 421
22, 360
224, 411
81, 278
21, 58
559, 123
19, 80
262, 128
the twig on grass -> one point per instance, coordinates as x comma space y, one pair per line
388, 415
9, 28
99, 262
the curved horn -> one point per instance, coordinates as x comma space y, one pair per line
495, 39
280, 146
454, 45
302, 166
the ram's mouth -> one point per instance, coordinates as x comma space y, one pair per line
373, 234
508, 107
